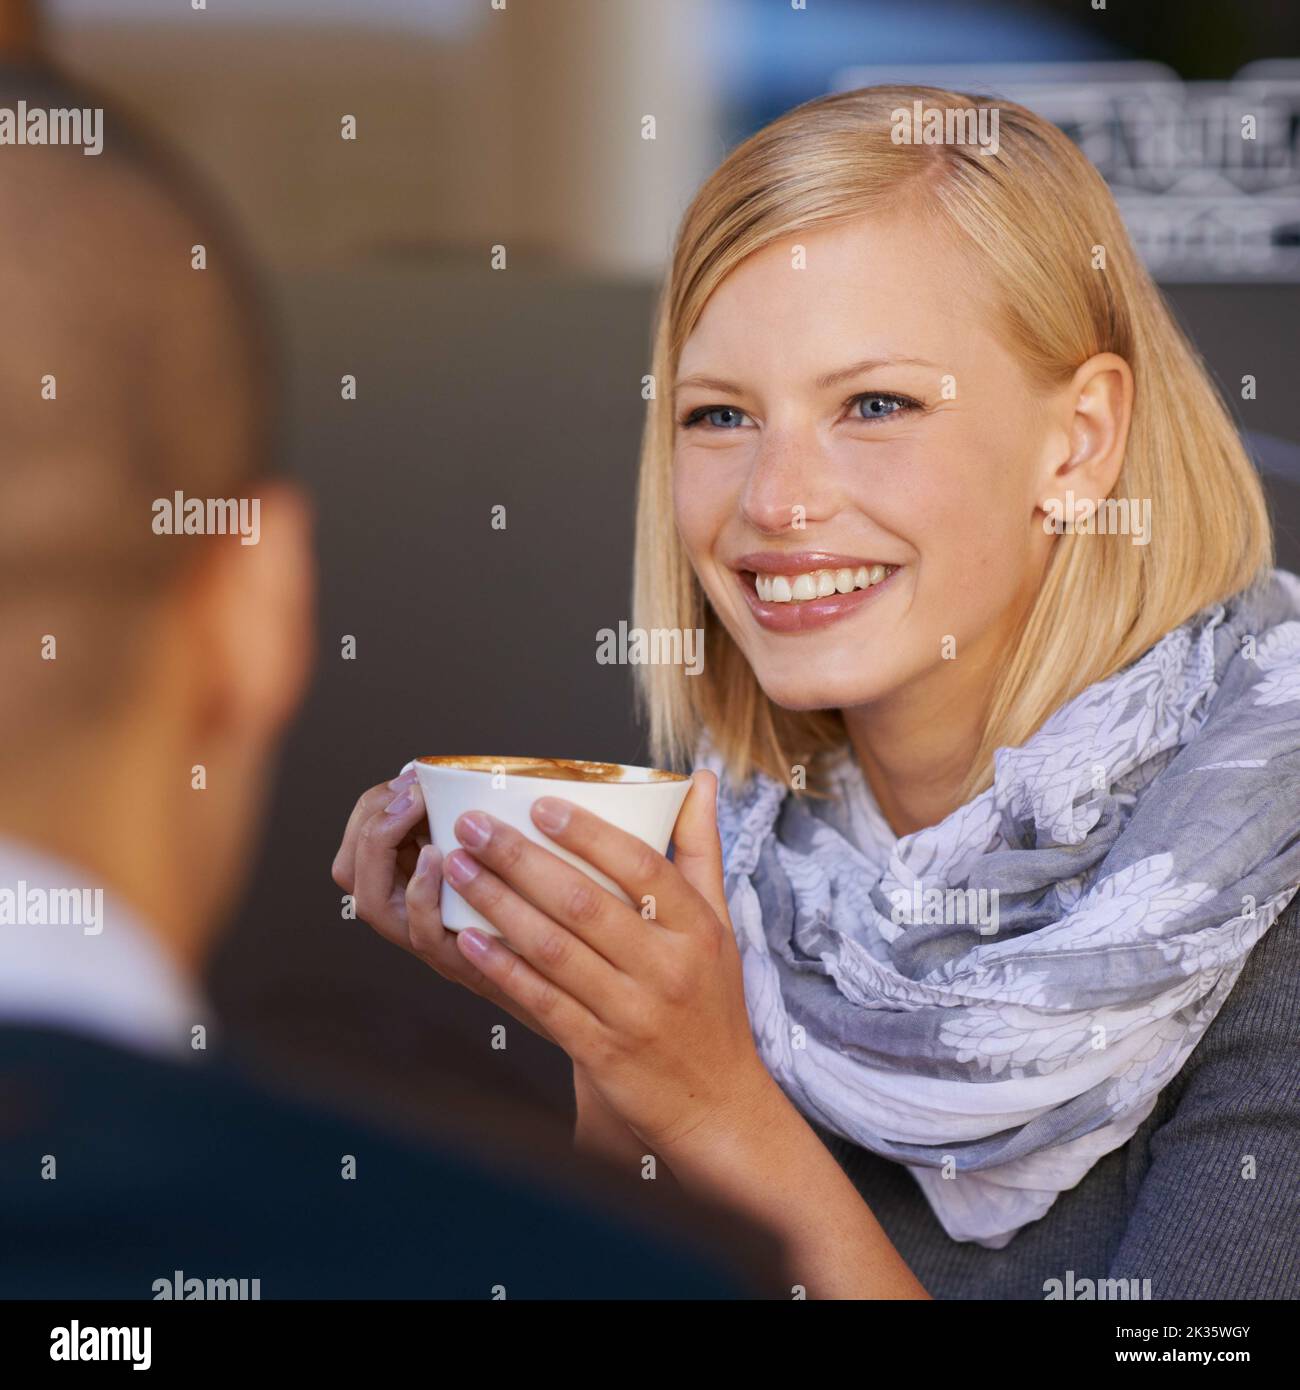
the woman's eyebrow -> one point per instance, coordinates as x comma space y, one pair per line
712, 383
823, 383
868, 364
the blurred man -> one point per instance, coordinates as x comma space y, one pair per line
155, 638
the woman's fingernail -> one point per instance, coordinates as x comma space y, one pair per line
403, 779
461, 867
402, 802
551, 814
474, 829
428, 861
476, 944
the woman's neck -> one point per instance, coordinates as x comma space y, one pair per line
914, 786
917, 746
916, 749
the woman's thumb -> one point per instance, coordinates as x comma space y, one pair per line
697, 851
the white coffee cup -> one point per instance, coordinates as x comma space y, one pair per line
641, 800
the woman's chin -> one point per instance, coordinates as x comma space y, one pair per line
801, 694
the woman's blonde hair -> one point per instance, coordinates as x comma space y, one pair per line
1038, 216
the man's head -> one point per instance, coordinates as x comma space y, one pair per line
136, 393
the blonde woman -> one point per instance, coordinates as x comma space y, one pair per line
978, 980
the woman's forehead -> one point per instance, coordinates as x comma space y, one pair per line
816, 301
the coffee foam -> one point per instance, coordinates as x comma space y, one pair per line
555, 769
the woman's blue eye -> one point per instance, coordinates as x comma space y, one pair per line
877, 405
871, 405
731, 417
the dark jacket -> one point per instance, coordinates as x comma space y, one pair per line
163, 1167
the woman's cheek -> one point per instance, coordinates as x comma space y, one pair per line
703, 500
687, 512
970, 578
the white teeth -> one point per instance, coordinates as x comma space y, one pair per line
799, 588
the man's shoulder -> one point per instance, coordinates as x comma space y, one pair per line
133, 1167
77, 1087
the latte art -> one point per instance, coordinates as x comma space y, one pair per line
555, 769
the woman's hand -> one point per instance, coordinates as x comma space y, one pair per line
647, 999
387, 862
395, 876
651, 1009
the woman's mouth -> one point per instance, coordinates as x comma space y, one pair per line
793, 594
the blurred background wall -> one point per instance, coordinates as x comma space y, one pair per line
521, 126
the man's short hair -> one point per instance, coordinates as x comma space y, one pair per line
127, 374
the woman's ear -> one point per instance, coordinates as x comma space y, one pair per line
1094, 412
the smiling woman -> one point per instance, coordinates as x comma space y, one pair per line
974, 971
895, 368
1016, 351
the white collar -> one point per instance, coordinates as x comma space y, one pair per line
110, 978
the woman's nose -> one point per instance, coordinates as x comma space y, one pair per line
788, 485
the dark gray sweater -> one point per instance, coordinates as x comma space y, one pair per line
1172, 1205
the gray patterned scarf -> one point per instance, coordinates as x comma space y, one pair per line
996, 1001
